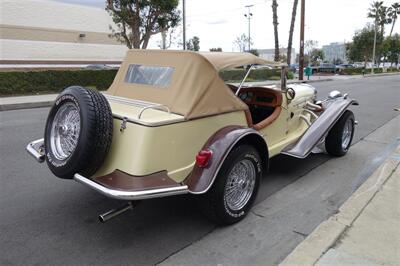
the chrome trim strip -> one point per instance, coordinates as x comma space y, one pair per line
314, 115
314, 106
36, 149
305, 119
131, 195
150, 124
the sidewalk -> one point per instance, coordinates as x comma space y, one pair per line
365, 231
25, 102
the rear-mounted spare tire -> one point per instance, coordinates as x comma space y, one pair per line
78, 132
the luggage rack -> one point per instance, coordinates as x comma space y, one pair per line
160, 107
143, 105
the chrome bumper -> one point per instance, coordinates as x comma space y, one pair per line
131, 195
36, 149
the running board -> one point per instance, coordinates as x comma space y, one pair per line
319, 129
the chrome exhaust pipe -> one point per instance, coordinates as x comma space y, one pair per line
115, 212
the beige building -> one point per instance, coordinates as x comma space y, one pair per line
269, 54
47, 32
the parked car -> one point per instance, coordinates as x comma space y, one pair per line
294, 68
344, 66
326, 68
169, 125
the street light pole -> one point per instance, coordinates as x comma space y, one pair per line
301, 56
248, 16
374, 48
184, 23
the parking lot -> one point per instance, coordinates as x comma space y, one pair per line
46, 220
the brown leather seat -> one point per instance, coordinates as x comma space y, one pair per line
269, 119
275, 103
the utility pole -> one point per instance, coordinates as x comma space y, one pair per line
248, 16
184, 23
374, 49
301, 56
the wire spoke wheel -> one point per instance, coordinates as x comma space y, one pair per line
347, 134
240, 184
339, 138
65, 131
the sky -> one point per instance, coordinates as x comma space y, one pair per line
218, 22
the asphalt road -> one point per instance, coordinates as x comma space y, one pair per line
46, 220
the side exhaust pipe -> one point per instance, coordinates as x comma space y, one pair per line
115, 212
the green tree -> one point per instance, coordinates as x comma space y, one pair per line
291, 30
316, 55
275, 23
393, 13
254, 52
379, 13
138, 20
193, 44
391, 48
360, 49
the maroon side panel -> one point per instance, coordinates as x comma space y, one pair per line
123, 181
220, 144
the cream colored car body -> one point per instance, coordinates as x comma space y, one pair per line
162, 141
160, 128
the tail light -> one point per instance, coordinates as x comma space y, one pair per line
203, 158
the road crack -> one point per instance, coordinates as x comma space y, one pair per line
257, 214
300, 233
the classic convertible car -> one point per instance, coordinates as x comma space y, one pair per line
169, 125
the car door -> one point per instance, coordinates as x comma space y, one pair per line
276, 133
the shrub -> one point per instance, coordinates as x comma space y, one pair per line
255, 74
359, 71
16, 83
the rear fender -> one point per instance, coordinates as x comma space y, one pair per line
221, 143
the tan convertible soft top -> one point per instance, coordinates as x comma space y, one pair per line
195, 89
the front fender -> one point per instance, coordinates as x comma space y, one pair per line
318, 130
221, 143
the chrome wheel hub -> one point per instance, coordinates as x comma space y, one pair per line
65, 131
347, 132
240, 184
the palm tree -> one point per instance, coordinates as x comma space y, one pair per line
275, 22
375, 12
393, 12
384, 18
289, 48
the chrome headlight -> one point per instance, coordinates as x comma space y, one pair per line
334, 95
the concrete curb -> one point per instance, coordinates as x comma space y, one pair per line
328, 232
311, 81
381, 74
29, 105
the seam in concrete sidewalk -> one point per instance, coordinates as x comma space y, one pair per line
329, 232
